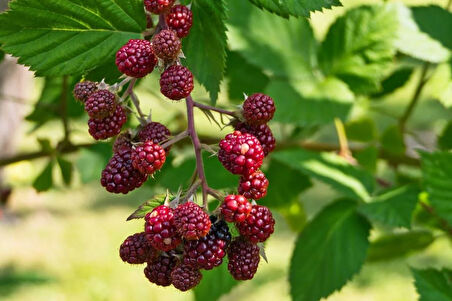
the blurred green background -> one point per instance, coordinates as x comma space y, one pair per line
63, 244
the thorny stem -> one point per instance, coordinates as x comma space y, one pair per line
192, 189
215, 109
136, 102
175, 139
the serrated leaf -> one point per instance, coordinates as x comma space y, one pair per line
394, 81
44, 181
435, 21
205, 47
413, 42
66, 168
359, 47
393, 208
399, 244
331, 169
433, 285
440, 84
363, 129
437, 180
330, 250
69, 37
215, 283
309, 106
296, 8
148, 206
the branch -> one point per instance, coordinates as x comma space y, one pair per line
175, 139
215, 109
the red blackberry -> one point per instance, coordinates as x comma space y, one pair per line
235, 208
108, 127
185, 277
137, 249
166, 45
240, 153
158, 6
123, 141
159, 270
191, 221
148, 157
160, 229
176, 82
243, 259
84, 89
259, 224
101, 104
253, 186
136, 58
258, 109
119, 176
208, 251
180, 19
155, 132
262, 132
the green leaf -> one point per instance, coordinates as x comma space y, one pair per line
412, 41
440, 84
215, 283
359, 47
69, 37
393, 208
45, 179
205, 47
331, 169
396, 80
433, 285
148, 206
66, 168
243, 77
363, 130
285, 184
437, 178
92, 161
330, 250
399, 244
296, 8
310, 106
294, 215
367, 158
445, 139
435, 21
392, 140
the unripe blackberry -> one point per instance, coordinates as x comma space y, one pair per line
235, 208
262, 132
240, 153
100, 104
155, 132
136, 249
258, 109
259, 224
136, 58
83, 90
208, 251
107, 127
191, 221
180, 19
159, 270
158, 6
160, 229
253, 186
243, 259
176, 82
123, 141
148, 157
119, 176
166, 45
185, 277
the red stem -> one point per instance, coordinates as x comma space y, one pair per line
215, 109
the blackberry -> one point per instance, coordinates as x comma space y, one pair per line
176, 82
123, 141
262, 132
253, 186
180, 19
259, 224
107, 127
243, 259
191, 221
235, 208
240, 153
160, 229
258, 109
155, 132
136, 249
101, 104
158, 6
136, 58
119, 176
185, 277
148, 157
166, 45
83, 90
159, 270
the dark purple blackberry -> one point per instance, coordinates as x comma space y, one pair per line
136, 249
166, 45
243, 259
108, 127
185, 277
159, 270
84, 89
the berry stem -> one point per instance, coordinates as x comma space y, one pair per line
215, 109
136, 102
198, 149
175, 139
162, 24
